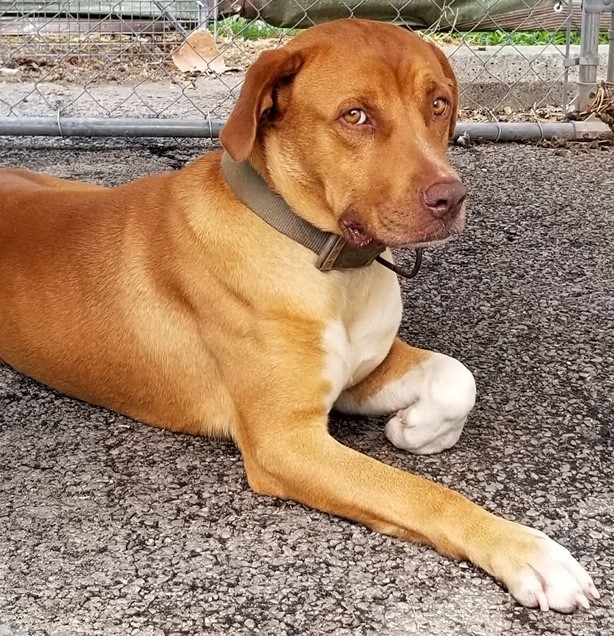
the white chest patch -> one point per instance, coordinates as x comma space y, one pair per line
360, 338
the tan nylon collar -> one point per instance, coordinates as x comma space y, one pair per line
333, 251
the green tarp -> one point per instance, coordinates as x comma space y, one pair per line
416, 13
441, 14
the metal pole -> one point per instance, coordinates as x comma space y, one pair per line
210, 128
110, 127
203, 13
589, 52
565, 97
531, 131
610, 73
207, 11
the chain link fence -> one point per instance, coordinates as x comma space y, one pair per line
184, 60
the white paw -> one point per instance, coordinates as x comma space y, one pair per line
541, 573
443, 391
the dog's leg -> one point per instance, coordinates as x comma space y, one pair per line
431, 394
295, 458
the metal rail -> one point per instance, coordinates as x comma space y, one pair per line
210, 128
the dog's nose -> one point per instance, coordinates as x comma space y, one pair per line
444, 198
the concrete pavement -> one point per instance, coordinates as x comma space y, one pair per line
112, 528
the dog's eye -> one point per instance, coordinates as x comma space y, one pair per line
440, 105
355, 116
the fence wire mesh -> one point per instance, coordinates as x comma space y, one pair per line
186, 58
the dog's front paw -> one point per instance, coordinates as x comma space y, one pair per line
539, 572
445, 394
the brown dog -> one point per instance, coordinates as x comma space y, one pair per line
171, 301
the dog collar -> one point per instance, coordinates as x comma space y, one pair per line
333, 251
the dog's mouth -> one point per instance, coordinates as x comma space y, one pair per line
431, 236
355, 234
435, 233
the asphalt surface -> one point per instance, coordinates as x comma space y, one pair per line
111, 527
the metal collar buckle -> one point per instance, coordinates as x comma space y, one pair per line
337, 253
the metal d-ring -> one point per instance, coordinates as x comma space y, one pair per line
399, 271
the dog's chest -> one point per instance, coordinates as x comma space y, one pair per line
358, 340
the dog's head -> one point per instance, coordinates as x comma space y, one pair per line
349, 122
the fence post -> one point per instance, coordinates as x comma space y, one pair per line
610, 74
589, 49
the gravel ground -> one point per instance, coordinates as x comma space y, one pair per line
111, 527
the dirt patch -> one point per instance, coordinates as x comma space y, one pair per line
544, 114
104, 58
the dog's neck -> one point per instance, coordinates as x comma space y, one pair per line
333, 251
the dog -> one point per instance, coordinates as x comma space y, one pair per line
176, 301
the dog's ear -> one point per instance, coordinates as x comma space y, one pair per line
256, 98
448, 71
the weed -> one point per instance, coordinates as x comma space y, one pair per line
260, 30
